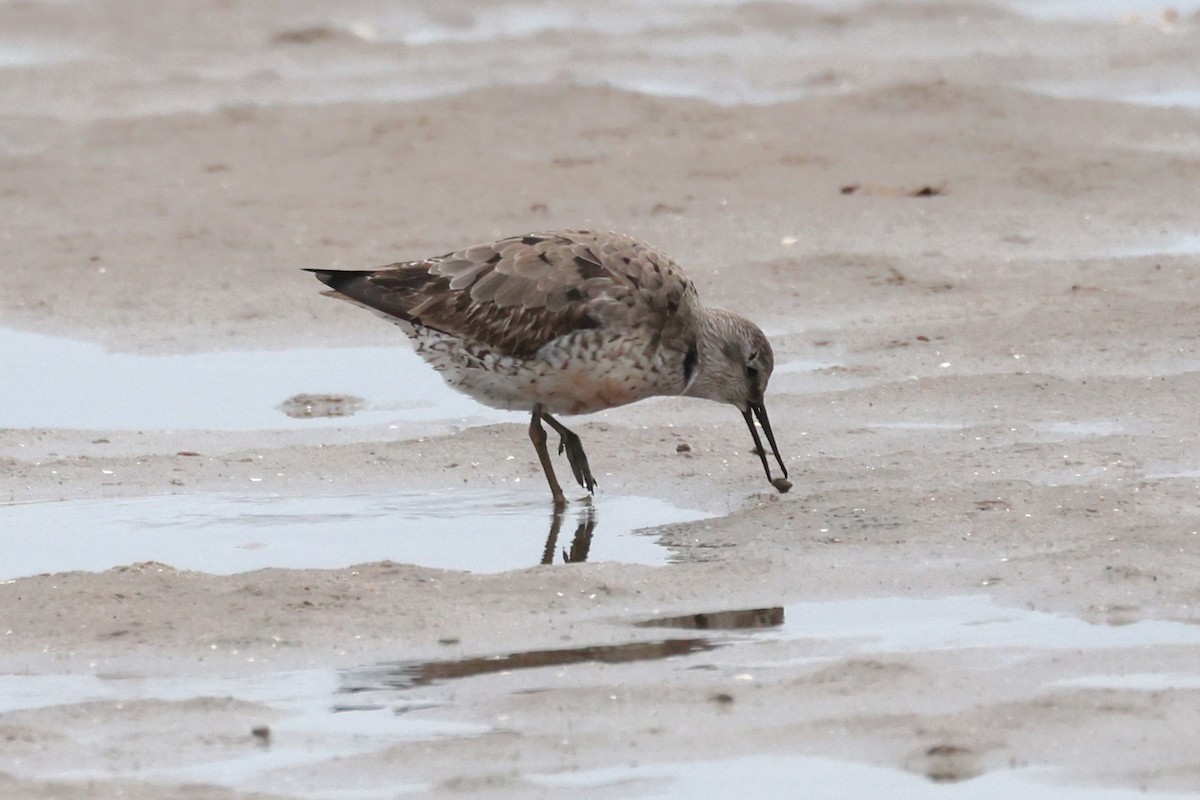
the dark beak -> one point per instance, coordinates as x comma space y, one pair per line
760, 412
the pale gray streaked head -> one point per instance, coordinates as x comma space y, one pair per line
735, 364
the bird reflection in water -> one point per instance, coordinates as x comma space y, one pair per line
581, 542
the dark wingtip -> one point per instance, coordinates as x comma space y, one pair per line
323, 275
338, 278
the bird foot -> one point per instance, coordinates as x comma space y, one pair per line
573, 447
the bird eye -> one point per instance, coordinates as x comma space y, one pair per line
752, 365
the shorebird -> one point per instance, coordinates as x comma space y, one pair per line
569, 322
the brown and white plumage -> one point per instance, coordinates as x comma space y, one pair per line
568, 322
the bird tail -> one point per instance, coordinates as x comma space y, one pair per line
335, 277
392, 293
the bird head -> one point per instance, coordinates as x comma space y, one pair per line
735, 362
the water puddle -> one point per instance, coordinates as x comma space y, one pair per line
1161, 92
785, 777
1185, 245
849, 629
1168, 472
720, 620
408, 674
227, 533
1179, 97
459, 50
282, 732
1083, 428
890, 625
1138, 682
1144, 11
15, 56
91, 388
265, 728
692, 60
517, 21
900, 624
702, 50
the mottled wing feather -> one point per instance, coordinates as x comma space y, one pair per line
515, 295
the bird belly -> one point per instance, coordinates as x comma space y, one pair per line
576, 376
584, 391
593, 370
520, 384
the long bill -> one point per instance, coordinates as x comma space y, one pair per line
760, 412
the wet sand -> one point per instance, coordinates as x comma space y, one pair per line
970, 232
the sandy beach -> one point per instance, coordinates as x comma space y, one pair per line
969, 230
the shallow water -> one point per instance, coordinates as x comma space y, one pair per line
1178, 245
388, 677
309, 731
901, 624
843, 628
80, 385
1082, 428
316, 718
1140, 681
740, 619
1099, 10
227, 533
1172, 471
702, 50
23, 54
1160, 91
785, 777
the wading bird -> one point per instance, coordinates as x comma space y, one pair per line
570, 322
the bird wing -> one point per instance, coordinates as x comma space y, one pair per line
515, 295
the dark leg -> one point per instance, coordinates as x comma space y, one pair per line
556, 521
583, 537
537, 435
574, 449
